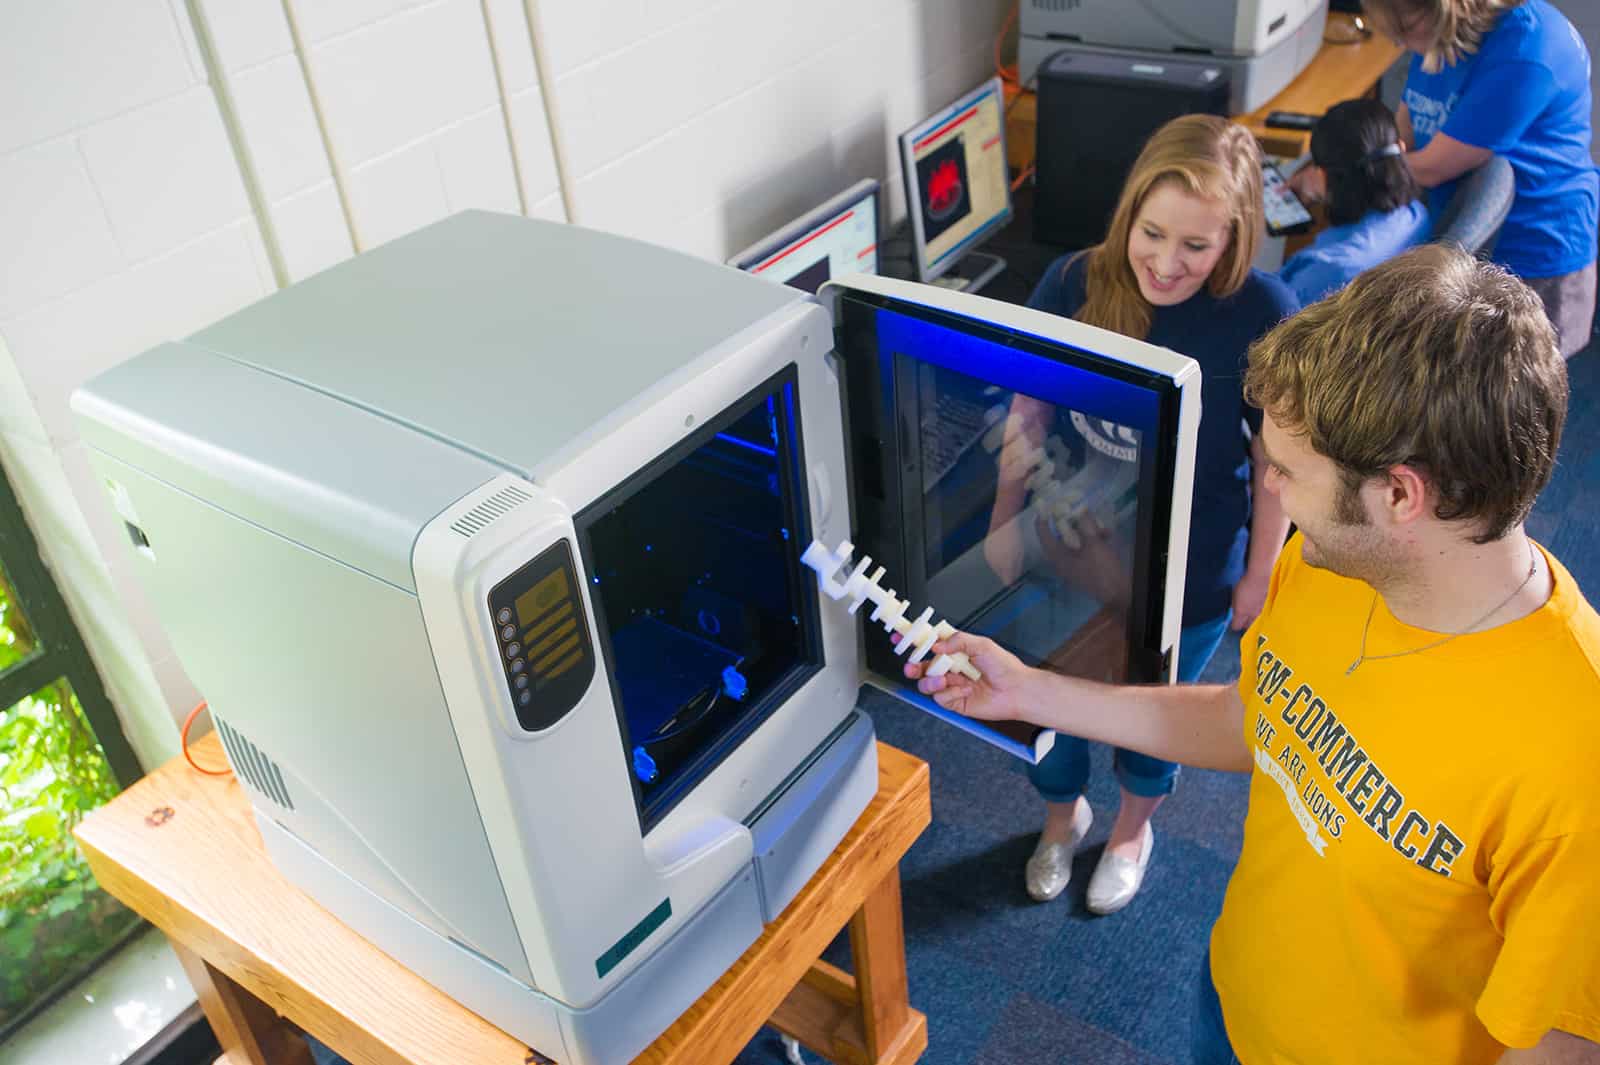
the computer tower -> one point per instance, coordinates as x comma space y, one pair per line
1096, 109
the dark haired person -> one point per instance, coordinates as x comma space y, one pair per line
1420, 706
1372, 200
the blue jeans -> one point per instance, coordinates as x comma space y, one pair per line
1208, 1037
1061, 775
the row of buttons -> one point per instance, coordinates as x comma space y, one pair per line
513, 649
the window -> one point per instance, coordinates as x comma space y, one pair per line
61, 755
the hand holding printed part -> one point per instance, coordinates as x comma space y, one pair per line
997, 696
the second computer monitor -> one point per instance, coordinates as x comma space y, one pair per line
958, 192
839, 237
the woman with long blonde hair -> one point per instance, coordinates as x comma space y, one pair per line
1174, 270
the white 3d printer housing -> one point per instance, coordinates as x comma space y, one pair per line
324, 489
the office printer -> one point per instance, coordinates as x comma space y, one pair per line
484, 547
1262, 44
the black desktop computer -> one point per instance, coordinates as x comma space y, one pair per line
958, 192
1096, 109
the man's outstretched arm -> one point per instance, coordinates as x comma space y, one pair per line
1196, 724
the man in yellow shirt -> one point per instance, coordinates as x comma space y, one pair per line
1420, 705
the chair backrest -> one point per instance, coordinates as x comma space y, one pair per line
1479, 205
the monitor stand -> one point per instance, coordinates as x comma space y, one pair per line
971, 272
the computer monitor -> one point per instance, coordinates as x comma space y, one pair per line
958, 193
839, 237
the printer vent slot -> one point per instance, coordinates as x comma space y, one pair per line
483, 515
253, 767
1056, 5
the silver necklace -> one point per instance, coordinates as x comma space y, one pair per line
1362, 656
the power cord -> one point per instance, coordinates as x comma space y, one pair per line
183, 740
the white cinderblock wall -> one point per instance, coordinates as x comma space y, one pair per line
141, 197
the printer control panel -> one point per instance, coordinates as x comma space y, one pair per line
543, 638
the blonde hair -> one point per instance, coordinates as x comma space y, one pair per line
1208, 157
1458, 25
1433, 360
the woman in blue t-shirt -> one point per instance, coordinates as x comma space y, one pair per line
1173, 270
1372, 200
1511, 78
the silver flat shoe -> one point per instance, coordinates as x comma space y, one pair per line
1116, 879
1049, 870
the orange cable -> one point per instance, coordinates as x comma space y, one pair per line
183, 738
1007, 74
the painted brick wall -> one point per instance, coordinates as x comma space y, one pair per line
704, 125
165, 162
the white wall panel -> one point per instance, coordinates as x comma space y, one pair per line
61, 344
165, 173
474, 159
311, 229
247, 32
66, 63
709, 133
398, 193
391, 83
54, 233
280, 127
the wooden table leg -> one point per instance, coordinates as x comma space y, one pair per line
249, 1032
894, 1032
865, 1018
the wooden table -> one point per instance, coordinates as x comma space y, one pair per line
1338, 72
182, 850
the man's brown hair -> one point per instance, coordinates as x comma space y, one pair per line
1433, 360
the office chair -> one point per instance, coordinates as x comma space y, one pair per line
1479, 205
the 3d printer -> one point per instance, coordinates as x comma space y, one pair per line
485, 549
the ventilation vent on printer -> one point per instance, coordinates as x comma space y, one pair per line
253, 767
1056, 5
481, 516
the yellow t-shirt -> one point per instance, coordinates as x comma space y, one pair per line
1420, 876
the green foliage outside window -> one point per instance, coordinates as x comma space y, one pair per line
54, 918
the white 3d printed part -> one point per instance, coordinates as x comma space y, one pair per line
915, 636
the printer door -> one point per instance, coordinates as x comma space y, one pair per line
1027, 476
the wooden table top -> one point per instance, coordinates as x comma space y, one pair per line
1338, 72
183, 850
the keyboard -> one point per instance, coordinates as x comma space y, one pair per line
950, 429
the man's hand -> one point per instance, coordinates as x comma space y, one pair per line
997, 697
1249, 596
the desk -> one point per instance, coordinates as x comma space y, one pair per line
1338, 72
183, 851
